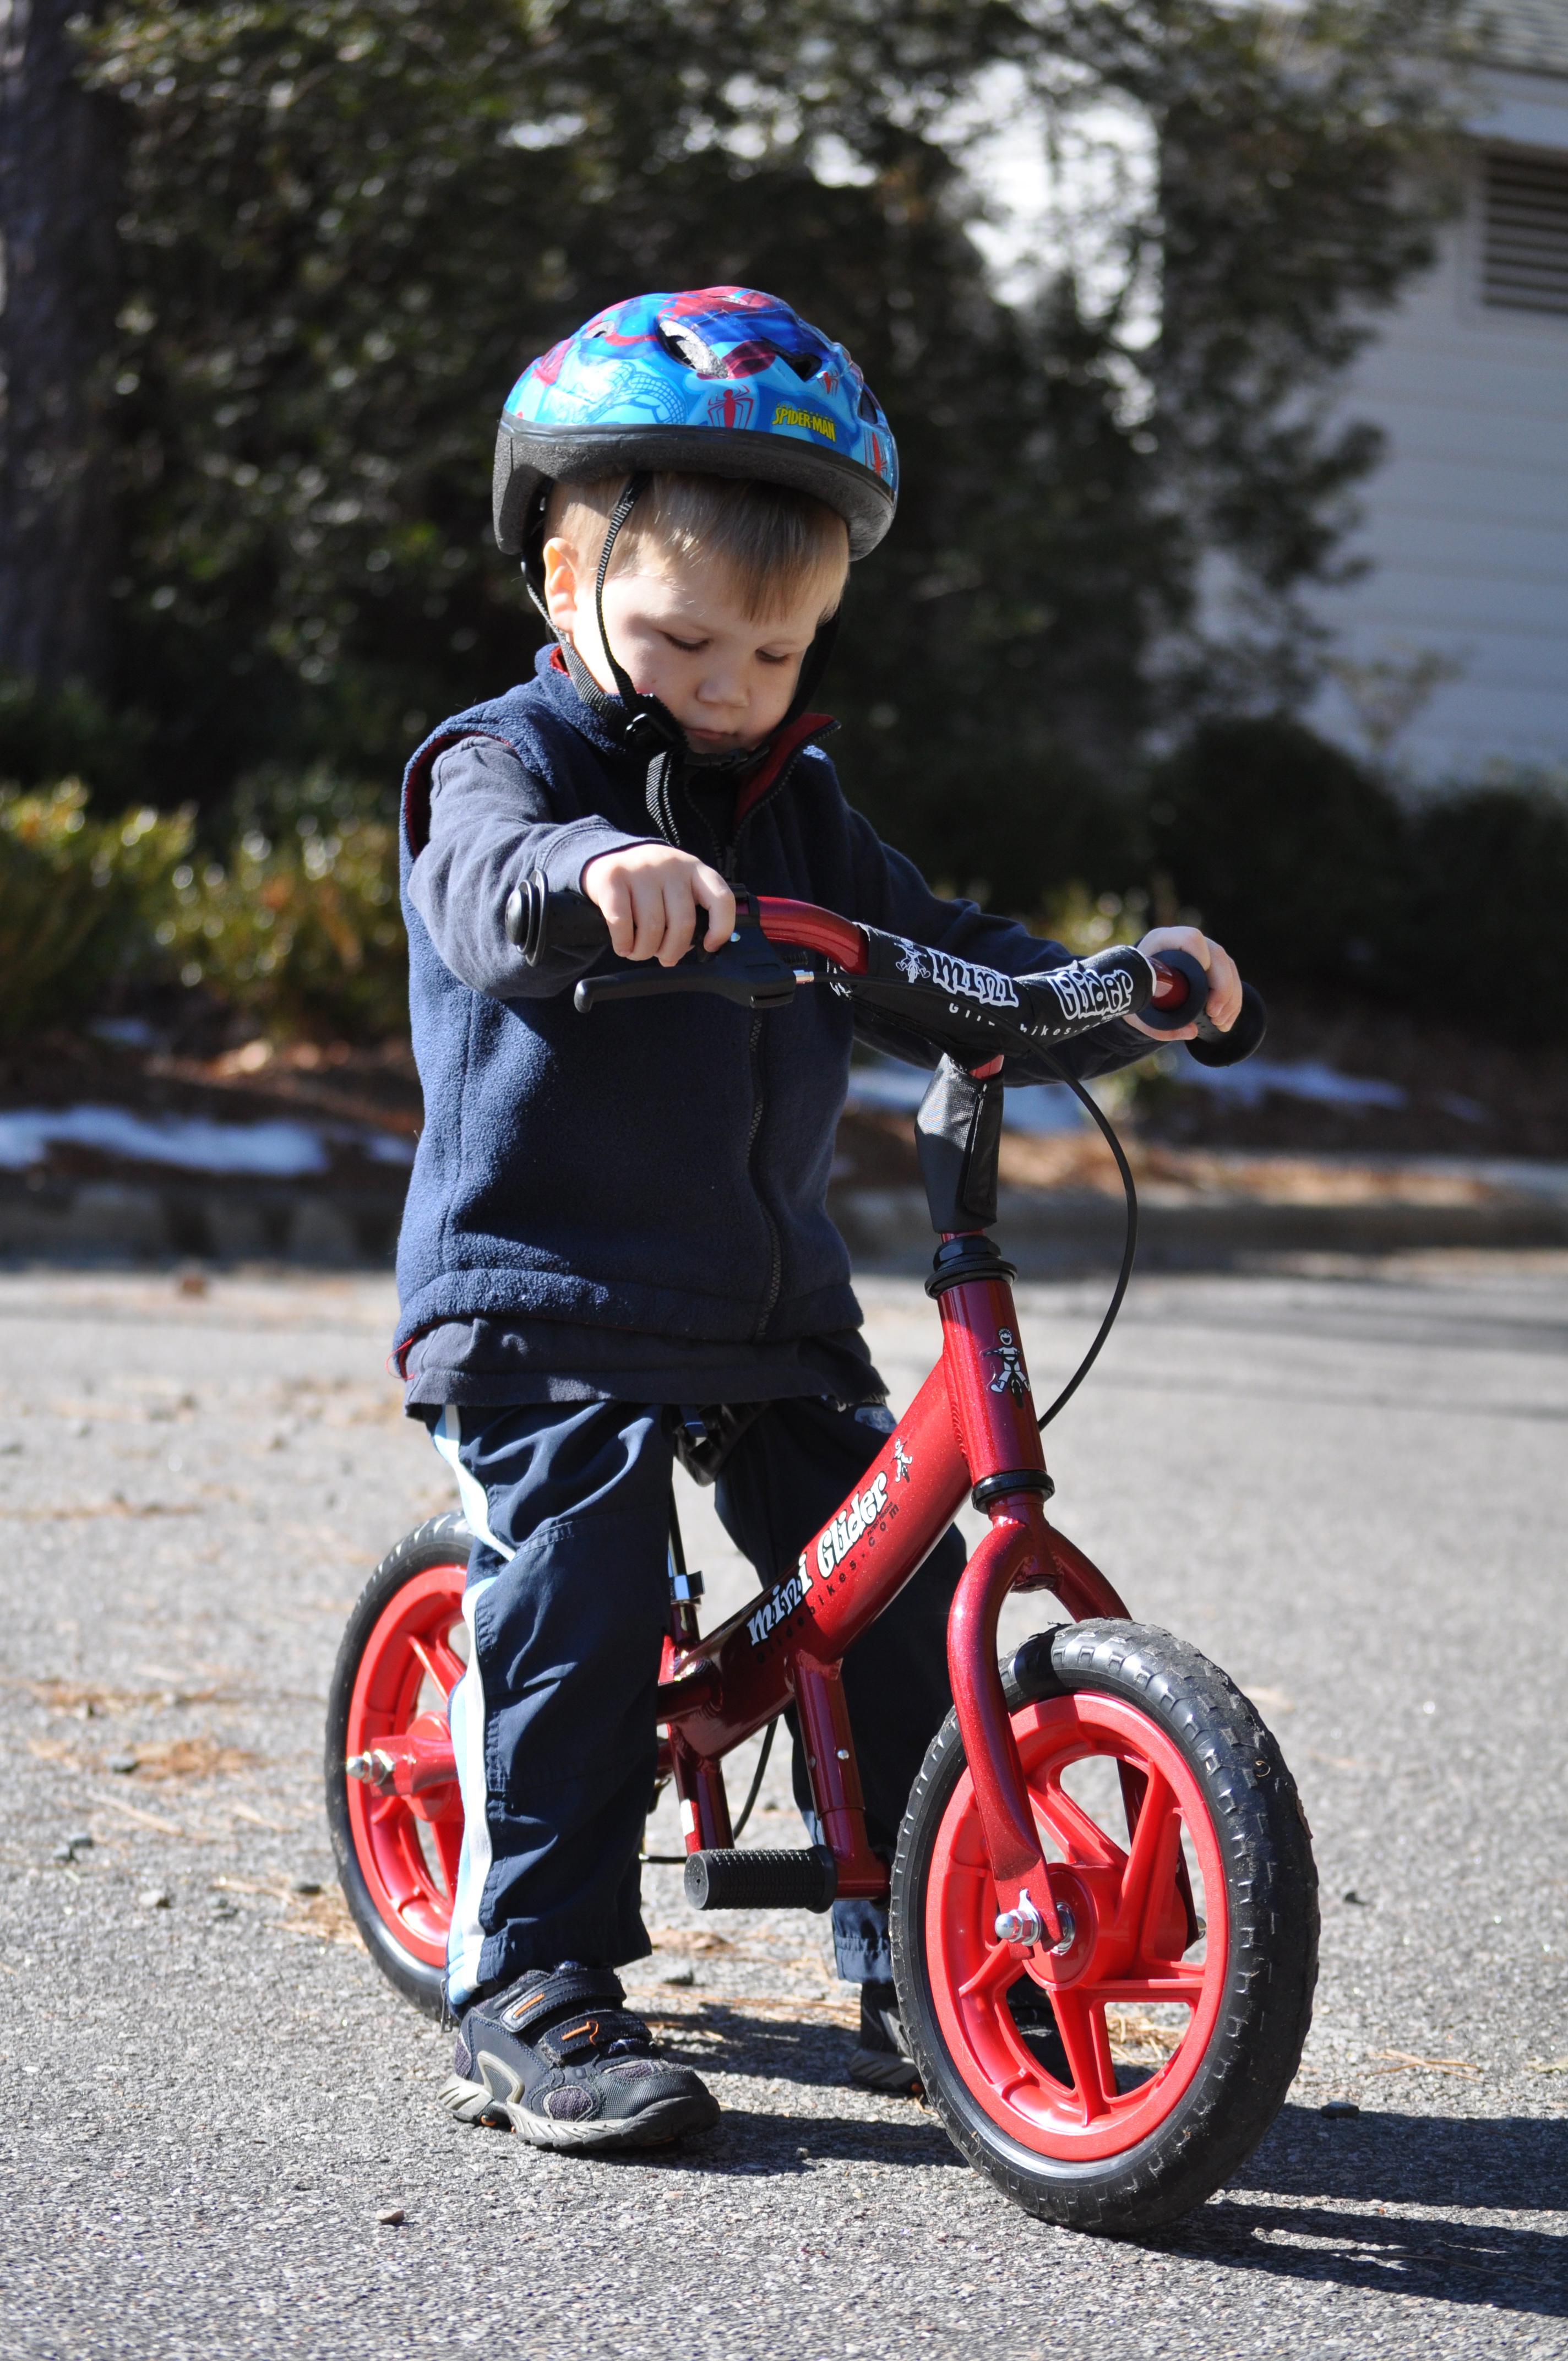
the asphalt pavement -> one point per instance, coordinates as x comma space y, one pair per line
1347, 1484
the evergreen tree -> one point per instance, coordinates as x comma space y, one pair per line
347, 224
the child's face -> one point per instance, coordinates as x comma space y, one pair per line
681, 636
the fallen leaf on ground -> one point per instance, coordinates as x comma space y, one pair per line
200, 1757
1403, 2060
688, 1939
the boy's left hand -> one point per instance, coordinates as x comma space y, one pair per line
1224, 981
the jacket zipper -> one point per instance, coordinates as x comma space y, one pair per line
776, 1249
731, 868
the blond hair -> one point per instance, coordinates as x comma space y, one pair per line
776, 545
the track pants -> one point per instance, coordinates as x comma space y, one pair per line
566, 1601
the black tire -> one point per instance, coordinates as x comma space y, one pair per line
1265, 2008
441, 1541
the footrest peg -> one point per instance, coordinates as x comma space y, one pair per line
736, 1879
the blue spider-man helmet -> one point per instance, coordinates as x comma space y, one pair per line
720, 381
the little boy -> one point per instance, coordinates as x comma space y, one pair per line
610, 1219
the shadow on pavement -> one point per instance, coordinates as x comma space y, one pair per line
1512, 2163
1501, 2160
749, 2142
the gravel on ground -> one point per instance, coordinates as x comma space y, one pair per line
218, 2134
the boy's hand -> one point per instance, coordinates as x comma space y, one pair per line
649, 895
1224, 983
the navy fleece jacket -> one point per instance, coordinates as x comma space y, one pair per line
661, 1166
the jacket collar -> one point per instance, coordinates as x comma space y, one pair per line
603, 728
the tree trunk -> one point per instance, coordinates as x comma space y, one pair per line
60, 154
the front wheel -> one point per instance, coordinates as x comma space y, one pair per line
1115, 2086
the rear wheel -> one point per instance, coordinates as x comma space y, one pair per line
1114, 2087
401, 1655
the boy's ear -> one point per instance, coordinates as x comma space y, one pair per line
560, 584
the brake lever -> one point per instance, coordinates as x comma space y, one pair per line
747, 971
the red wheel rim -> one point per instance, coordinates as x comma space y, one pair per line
407, 1846
1130, 1952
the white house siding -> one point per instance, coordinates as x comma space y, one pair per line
1466, 522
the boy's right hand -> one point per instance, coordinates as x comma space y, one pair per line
649, 895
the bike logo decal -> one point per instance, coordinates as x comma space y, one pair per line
902, 1462
1011, 1378
780, 1603
836, 1541
1088, 991
923, 965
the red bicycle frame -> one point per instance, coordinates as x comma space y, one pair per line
971, 1429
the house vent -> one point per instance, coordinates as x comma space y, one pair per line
1525, 257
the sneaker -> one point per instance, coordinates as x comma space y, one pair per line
557, 2056
883, 2063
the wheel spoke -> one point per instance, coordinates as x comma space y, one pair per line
1152, 1859
440, 1663
1081, 2021
1186, 1986
1082, 1840
448, 1834
996, 1963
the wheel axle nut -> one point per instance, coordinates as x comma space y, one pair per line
1021, 1924
1025, 1925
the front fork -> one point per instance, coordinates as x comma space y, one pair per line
992, 1404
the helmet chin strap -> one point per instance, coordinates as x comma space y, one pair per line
646, 722
649, 725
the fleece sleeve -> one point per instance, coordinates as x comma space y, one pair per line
490, 828
891, 894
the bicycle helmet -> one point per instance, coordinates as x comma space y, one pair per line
718, 380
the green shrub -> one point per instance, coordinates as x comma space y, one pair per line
1488, 891
59, 733
1310, 870
300, 927
77, 898
1298, 859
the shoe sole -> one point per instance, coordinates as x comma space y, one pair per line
654, 2127
878, 2070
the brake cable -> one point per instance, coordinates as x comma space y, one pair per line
1128, 1251
756, 1779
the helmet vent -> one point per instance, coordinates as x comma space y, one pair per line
683, 345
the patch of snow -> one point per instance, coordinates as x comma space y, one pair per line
125, 1032
887, 1082
386, 1148
277, 1150
1248, 1085
1040, 1109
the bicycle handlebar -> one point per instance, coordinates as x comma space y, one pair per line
956, 1003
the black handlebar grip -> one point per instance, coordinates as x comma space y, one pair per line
1213, 1048
538, 921
1194, 977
